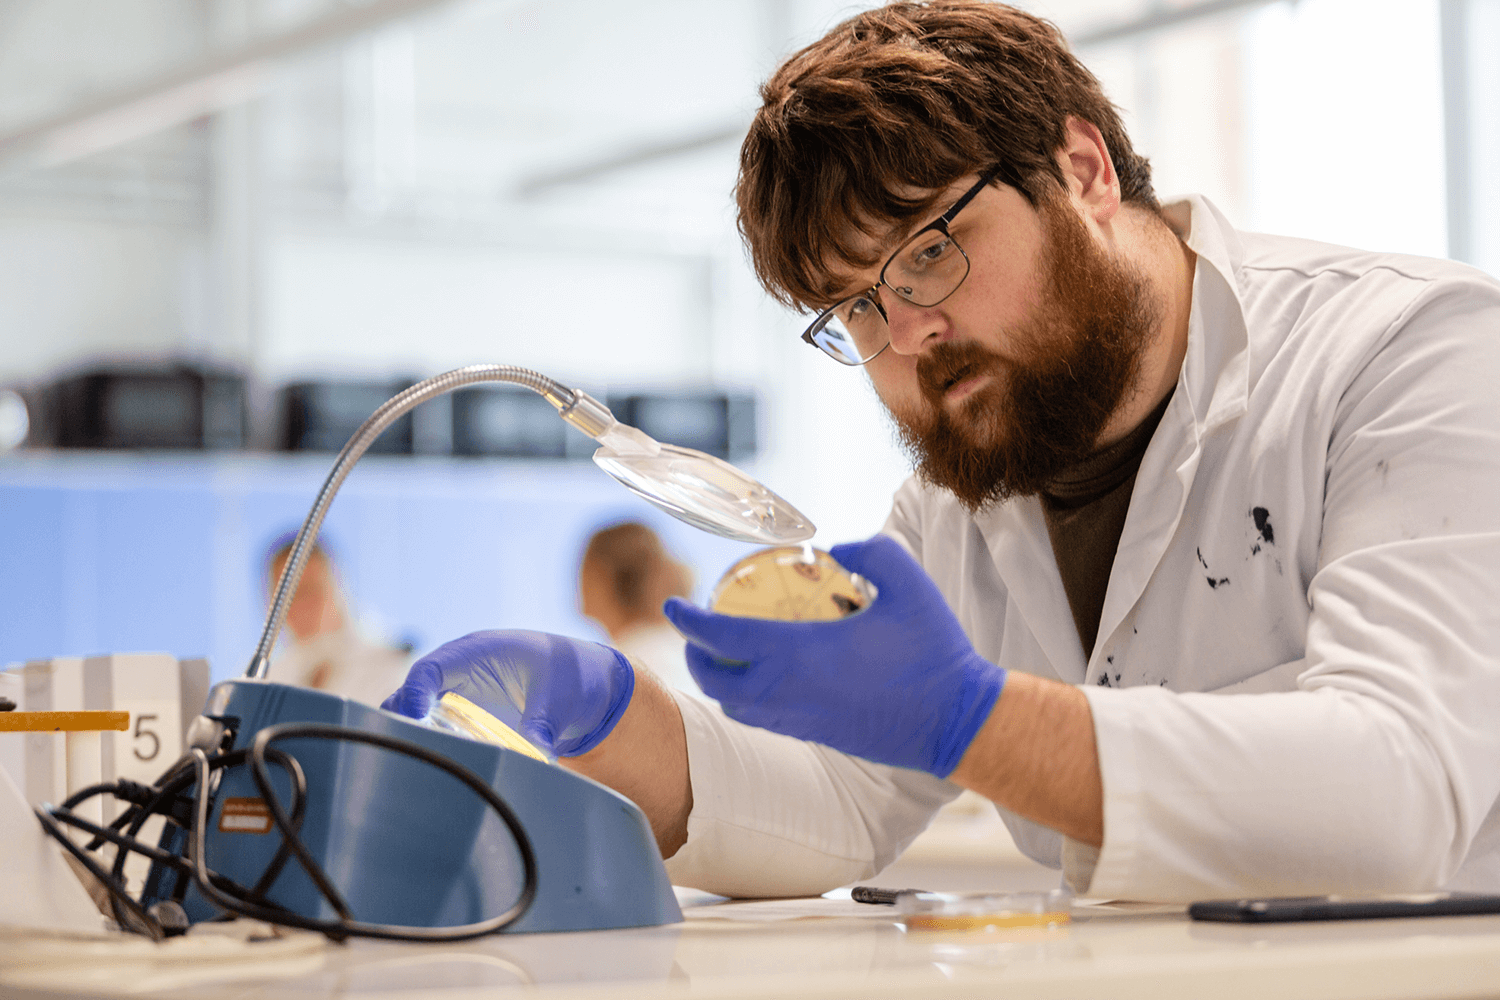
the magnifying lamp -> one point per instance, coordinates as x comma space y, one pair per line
318, 831
697, 488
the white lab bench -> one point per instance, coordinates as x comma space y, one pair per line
819, 948
826, 948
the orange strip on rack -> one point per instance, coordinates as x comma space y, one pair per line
63, 722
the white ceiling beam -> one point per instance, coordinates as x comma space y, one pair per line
217, 81
612, 160
623, 157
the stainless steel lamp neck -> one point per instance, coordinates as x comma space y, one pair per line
578, 408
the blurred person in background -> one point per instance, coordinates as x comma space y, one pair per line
326, 648
624, 578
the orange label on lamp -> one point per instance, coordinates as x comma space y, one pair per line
245, 816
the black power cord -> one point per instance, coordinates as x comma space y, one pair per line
169, 797
165, 798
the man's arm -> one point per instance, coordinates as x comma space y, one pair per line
601, 715
774, 816
644, 758
1035, 755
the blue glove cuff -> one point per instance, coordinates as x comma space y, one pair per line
611, 718
983, 682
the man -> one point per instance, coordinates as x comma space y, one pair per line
1204, 577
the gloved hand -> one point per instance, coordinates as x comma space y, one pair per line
898, 682
569, 693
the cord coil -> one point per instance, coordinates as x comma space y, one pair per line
184, 794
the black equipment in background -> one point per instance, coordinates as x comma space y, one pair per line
137, 406
322, 416
513, 423
721, 424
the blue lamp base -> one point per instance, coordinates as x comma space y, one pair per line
407, 844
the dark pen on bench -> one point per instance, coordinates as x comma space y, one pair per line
875, 894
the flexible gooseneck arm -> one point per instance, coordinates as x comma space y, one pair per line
576, 407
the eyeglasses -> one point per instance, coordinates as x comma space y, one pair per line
924, 271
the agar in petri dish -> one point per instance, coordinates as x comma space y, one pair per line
983, 911
456, 714
790, 583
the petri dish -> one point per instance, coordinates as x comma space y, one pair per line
456, 714
983, 911
791, 583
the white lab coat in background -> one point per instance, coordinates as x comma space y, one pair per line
343, 662
661, 649
1296, 685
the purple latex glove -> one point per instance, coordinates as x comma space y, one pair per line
569, 693
898, 682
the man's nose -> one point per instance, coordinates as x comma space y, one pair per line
914, 329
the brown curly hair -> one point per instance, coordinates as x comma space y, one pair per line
908, 97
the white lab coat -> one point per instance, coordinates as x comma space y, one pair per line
1296, 685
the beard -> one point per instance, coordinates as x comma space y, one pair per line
1045, 407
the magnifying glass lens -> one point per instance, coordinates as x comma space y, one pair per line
707, 493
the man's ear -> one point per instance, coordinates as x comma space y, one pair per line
1088, 171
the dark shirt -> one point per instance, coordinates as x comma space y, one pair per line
1085, 509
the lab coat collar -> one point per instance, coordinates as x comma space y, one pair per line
1215, 372
1212, 389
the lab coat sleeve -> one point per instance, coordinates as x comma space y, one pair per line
1376, 773
776, 816
909, 523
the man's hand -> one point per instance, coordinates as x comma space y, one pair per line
579, 700
897, 683
569, 693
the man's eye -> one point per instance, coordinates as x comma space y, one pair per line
856, 310
927, 254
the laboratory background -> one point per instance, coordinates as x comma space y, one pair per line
230, 228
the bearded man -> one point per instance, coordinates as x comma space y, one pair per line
1198, 578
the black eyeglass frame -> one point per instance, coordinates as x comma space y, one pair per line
940, 224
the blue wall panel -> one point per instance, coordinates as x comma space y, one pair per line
32, 521
120, 553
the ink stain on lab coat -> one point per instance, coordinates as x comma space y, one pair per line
1214, 582
1262, 518
1265, 535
